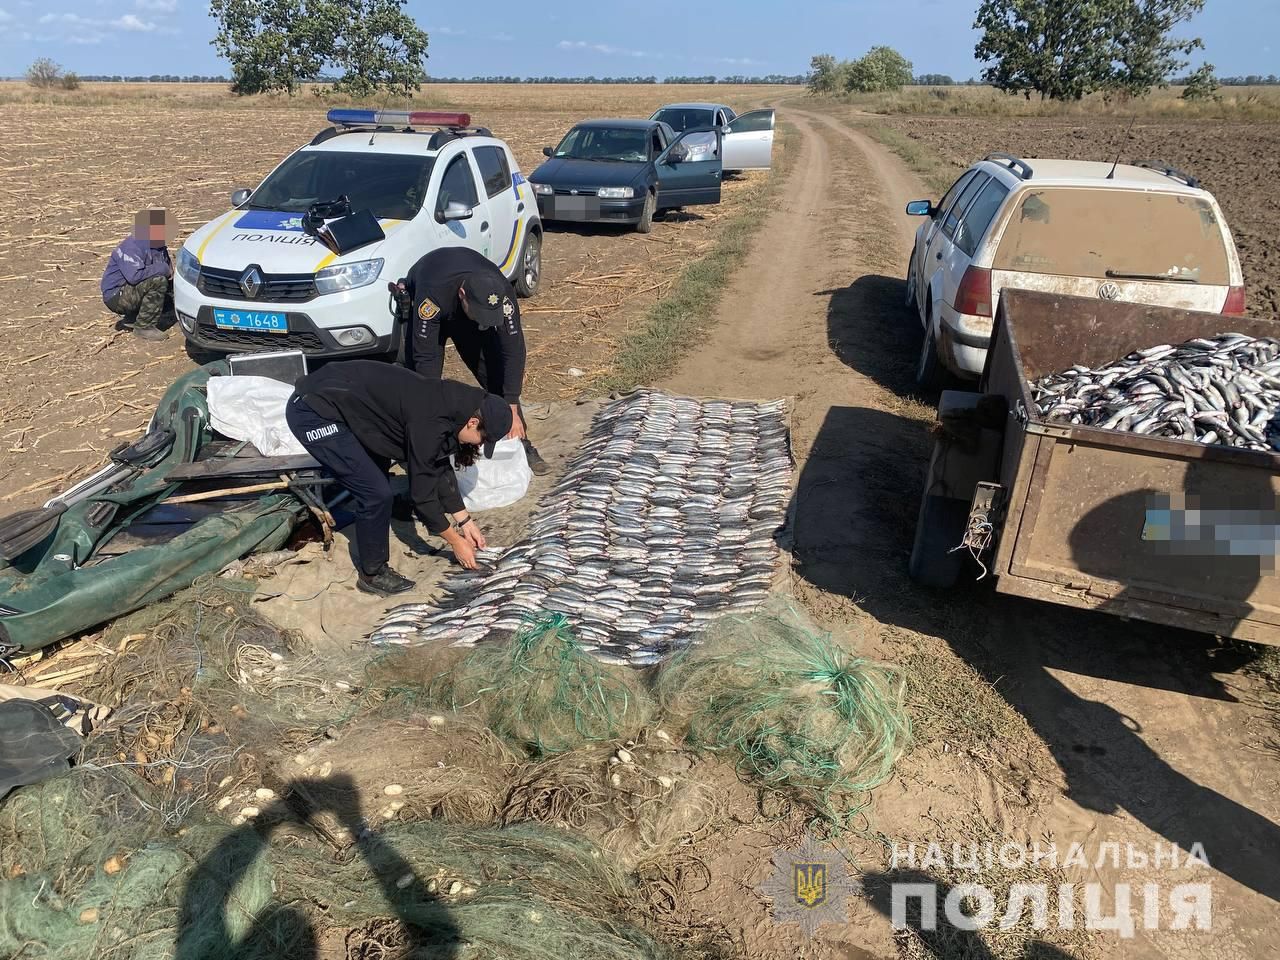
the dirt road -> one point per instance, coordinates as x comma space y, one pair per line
1035, 724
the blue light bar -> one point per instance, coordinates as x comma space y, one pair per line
408, 118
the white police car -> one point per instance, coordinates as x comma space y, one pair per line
253, 279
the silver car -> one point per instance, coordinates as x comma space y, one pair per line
747, 138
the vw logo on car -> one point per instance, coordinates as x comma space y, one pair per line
1109, 291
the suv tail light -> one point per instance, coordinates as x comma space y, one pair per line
1235, 302
974, 296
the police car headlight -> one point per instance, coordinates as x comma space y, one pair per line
348, 276
543, 189
616, 193
188, 266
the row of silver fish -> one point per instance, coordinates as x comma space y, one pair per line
1217, 390
664, 520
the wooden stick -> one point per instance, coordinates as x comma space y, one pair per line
214, 494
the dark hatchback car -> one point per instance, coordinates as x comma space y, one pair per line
625, 172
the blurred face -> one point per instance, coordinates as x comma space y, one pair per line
472, 433
154, 227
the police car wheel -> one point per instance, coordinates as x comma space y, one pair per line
529, 273
646, 215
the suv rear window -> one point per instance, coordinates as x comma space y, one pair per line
493, 169
390, 185
1117, 234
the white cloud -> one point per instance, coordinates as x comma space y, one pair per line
133, 24
606, 48
5, 15
447, 31
740, 61
160, 6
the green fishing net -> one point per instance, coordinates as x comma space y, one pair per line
542, 692
90, 871
798, 712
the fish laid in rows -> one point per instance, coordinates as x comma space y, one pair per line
664, 520
1218, 390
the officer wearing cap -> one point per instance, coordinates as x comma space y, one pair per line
357, 416
457, 294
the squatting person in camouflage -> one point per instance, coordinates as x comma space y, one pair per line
139, 277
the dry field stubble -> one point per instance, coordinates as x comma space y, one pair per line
76, 166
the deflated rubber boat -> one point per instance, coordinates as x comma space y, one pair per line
112, 544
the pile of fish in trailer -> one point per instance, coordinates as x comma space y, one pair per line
1223, 390
663, 521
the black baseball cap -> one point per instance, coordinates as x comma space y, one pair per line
495, 414
489, 299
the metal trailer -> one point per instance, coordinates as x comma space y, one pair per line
1072, 514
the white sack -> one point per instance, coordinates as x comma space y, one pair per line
497, 482
252, 408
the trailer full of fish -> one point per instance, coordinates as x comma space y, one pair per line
664, 520
1218, 390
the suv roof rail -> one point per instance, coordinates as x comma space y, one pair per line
1016, 164
1173, 172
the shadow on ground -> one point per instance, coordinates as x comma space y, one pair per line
284, 930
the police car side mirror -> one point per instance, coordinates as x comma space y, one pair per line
548, 151
240, 197
678, 154
453, 210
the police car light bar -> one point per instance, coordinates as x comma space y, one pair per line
410, 118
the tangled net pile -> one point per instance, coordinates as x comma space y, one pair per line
90, 874
207, 676
544, 693
798, 712
543, 837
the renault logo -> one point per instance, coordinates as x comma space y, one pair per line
1109, 291
251, 282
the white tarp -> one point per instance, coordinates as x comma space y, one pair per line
252, 408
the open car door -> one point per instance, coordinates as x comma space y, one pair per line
748, 141
686, 176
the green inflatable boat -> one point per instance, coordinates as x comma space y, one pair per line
110, 544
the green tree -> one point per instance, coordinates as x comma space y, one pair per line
1201, 85
1066, 49
1145, 52
44, 73
824, 75
276, 45
882, 69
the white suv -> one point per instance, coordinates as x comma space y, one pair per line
253, 279
1145, 234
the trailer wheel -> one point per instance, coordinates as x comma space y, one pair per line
939, 529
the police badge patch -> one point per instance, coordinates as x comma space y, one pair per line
493, 299
509, 312
427, 309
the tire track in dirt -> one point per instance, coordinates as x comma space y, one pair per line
1134, 733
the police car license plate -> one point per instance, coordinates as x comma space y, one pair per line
250, 320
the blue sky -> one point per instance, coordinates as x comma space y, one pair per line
584, 37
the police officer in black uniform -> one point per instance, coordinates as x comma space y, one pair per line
357, 416
457, 294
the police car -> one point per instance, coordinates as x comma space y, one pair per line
256, 279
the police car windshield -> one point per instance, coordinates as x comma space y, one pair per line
619, 144
681, 119
390, 185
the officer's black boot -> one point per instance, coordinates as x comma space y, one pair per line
385, 582
537, 465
